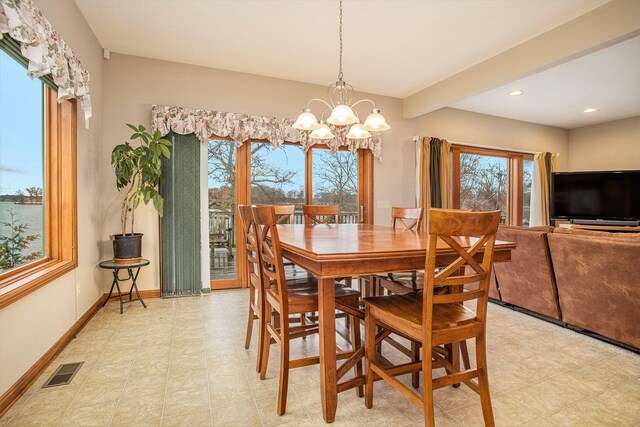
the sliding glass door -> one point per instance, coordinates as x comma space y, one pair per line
256, 173
222, 202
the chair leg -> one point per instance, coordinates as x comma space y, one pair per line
465, 355
262, 332
356, 343
252, 297
266, 343
370, 343
483, 381
415, 376
284, 365
427, 386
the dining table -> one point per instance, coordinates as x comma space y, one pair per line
331, 251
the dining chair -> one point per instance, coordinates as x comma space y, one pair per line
254, 279
284, 213
282, 300
319, 214
408, 219
403, 219
435, 320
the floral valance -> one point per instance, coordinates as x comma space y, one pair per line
45, 50
242, 127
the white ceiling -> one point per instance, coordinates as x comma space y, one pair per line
392, 47
607, 80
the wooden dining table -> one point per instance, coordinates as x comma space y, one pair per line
330, 251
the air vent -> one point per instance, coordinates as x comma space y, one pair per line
63, 375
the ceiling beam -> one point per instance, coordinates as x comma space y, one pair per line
609, 24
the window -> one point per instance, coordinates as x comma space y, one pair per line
38, 218
527, 178
277, 176
256, 173
487, 179
22, 205
335, 182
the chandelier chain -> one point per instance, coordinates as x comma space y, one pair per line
340, 72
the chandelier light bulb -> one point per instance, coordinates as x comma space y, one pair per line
306, 121
375, 122
323, 132
357, 132
342, 115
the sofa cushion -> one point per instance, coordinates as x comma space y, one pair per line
528, 281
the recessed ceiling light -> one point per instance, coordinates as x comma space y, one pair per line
590, 110
516, 92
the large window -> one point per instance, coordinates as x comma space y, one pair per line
256, 173
38, 231
487, 179
22, 205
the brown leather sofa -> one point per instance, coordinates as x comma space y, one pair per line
586, 279
599, 281
528, 280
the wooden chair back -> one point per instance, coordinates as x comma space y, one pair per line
447, 226
409, 218
272, 267
284, 213
318, 214
251, 244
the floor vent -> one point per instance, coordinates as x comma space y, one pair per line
63, 375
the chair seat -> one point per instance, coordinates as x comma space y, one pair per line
305, 290
407, 309
303, 295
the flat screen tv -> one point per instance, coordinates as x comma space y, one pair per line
590, 197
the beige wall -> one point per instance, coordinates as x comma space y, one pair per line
30, 326
606, 146
133, 84
481, 129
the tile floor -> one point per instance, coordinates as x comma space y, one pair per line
182, 362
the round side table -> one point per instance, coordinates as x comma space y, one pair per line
116, 267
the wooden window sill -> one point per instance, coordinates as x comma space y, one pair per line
20, 285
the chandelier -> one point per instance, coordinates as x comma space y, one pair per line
342, 111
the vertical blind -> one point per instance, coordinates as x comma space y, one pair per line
180, 224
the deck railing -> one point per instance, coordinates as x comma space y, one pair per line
222, 225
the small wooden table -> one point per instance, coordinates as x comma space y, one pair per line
344, 250
116, 267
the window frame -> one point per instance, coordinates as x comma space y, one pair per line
60, 195
243, 195
515, 177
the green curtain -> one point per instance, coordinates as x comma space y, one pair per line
180, 225
12, 48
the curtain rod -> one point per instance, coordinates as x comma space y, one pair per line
491, 147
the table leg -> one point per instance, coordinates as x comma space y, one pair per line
115, 276
135, 286
115, 280
328, 376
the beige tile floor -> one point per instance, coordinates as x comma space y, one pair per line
182, 362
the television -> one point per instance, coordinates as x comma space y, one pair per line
607, 198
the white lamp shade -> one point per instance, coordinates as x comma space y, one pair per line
342, 115
306, 121
357, 132
375, 122
323, 132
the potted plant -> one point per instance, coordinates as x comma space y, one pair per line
138, 169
